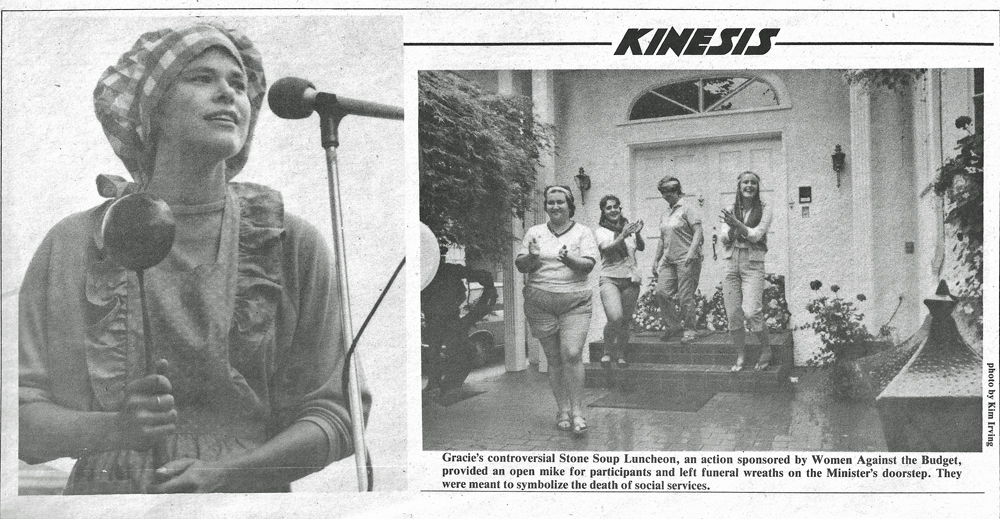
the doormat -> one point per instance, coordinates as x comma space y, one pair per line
685, 402
454, 396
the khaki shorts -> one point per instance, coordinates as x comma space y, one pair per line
551, 312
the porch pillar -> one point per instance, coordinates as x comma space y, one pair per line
543, 101
930, 223
513, 281
861, 170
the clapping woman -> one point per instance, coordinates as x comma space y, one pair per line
247, 394
744, 239
618, 239
558, 257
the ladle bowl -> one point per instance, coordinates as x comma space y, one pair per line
138, 231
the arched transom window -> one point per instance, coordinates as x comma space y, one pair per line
705, 95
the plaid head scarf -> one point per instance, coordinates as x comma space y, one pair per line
130, 91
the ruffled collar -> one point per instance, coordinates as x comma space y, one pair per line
114, 341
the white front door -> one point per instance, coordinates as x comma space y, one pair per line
708, 172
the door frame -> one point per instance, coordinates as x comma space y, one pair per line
779, 209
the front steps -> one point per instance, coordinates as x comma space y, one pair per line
702, 365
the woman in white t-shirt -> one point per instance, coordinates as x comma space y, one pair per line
558, 256
618, 239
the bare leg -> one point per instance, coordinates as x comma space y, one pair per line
550, 345
629, 298
572, 369
612, 301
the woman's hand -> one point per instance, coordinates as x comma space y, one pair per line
631, 228
190, 476
533, 249
639, 225
729, 218
148, 414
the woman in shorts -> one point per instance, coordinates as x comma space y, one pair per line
558, 256
617, 239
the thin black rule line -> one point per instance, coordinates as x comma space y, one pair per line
509, 44
684, 492
897, 43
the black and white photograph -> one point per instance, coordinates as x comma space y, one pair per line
195, 232
498, 259
703, 260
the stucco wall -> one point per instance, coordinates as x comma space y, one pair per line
592, 111
908, 136
894, 193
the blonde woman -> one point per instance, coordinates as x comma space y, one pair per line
744, 240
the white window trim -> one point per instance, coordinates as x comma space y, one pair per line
778, 86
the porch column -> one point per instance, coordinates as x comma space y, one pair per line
860, 165
513, 281
929, 220
543, 100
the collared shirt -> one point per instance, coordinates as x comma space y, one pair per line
554, 275
677, 231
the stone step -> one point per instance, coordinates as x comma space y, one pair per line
688, 377
715, 349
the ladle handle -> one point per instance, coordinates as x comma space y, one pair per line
159, 449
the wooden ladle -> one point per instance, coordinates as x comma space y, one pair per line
138, 232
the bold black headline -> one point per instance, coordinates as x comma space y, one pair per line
697, 42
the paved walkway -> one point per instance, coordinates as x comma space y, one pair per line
517, 413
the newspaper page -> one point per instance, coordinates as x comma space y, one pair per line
811, 174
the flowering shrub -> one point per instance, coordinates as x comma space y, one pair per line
960, 180
838, 323
711, 313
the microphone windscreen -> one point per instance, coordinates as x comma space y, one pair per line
287, 98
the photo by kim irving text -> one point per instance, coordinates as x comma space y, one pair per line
652, 472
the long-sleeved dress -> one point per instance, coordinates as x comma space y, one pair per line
253, 340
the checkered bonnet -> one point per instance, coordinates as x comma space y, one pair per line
129, 92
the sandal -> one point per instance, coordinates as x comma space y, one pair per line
606, 361
764, 362
622, 364
563, 422
737, 367
579, 425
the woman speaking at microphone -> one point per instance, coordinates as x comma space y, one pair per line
247, 394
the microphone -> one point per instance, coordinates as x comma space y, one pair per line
295, 98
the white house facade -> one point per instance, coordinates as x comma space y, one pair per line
867, 228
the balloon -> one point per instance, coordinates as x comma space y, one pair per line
430, 256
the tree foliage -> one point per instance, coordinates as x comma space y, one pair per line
478, 153
889, 78
960, 182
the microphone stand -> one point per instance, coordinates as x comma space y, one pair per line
329, 134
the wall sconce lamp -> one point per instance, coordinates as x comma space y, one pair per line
583, 183
838, 162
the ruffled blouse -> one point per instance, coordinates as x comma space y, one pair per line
250, 339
